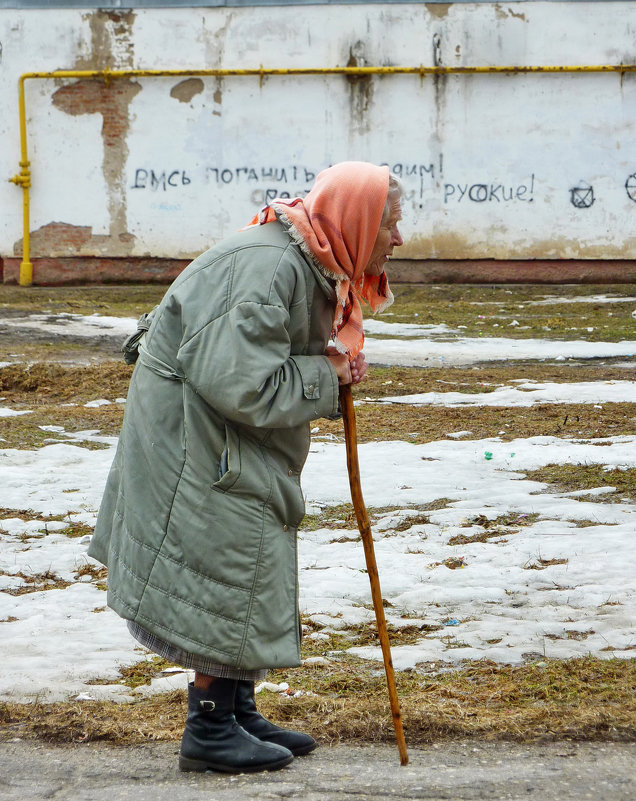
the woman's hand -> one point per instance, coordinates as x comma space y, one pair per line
359, 367
348, 372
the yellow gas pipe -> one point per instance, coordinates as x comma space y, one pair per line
23, 178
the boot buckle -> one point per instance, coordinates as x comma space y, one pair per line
207, 706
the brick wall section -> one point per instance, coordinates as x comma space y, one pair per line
56, 238
111, 100
58, 271
52, 271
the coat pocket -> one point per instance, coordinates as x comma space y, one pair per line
230, 463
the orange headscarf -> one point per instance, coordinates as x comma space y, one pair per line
337, 224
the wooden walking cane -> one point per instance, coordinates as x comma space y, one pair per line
351, 441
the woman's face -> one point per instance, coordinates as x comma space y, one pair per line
388, 238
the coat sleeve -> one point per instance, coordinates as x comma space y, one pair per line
241, 364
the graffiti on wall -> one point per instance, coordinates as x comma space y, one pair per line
268, 182
159, 179
286, 181
582, 196
490, 192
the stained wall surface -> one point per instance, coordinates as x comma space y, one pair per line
507, 166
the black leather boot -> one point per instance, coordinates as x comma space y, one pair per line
213, 740
254, 723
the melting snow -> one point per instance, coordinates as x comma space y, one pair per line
555, 578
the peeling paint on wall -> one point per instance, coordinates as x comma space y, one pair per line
112, 102
184, 91
503, 13
110, 45
440, 84
111, 40
215, 38
57, 239
464, 246
439, 10
361, 90
218, 98
60, 239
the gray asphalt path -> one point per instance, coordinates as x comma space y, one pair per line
458, 771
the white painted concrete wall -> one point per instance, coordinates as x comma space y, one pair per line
494, 166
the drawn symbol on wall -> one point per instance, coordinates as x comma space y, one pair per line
582, 196
630, 187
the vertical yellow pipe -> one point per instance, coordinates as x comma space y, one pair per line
24, 180
26, 267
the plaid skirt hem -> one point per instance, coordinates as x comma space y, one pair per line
191, 661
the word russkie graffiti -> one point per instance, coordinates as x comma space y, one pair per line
489, 192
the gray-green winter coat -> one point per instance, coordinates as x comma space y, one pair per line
199, 516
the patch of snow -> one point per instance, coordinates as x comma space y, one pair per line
4, 412
372, 325
429, 353
527, 394
76, 325
550, 300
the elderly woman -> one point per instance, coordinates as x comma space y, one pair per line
199, 517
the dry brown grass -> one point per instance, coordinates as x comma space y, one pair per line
501, 526
26, 514
25, 432
143, 672
343, 516
57, 383
383, 382
575, 699
42, 387
541, 564
576, 477
487, 310
75, 529
430, 423
39, 582
127, 300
